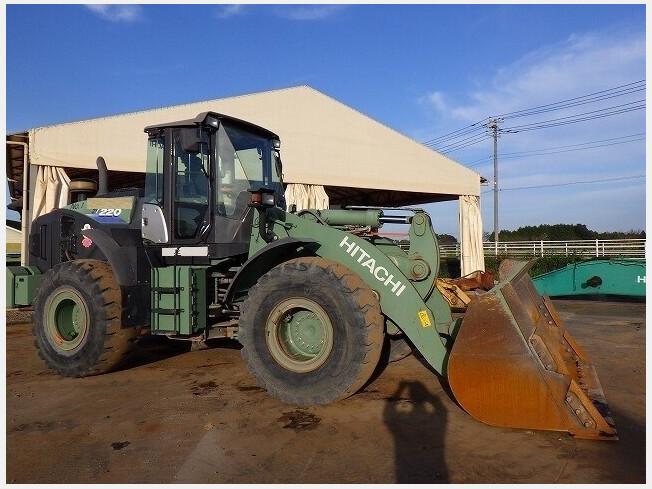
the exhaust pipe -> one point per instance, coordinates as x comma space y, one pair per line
102, 179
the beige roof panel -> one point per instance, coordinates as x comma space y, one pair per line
324, 142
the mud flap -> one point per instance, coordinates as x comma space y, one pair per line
513, 365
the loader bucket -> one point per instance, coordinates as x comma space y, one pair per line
514, 365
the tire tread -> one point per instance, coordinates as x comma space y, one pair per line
96, 277
354, 292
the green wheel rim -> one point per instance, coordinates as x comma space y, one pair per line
299, 335
66, 318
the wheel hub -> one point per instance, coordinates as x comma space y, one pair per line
299, 334
66, 318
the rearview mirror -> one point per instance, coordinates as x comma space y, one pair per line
190, 141
278, 164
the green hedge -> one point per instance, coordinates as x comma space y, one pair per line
450, 267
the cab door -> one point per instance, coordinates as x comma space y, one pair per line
190, 172
176, 208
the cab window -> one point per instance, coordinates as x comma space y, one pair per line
190, 188
154, 177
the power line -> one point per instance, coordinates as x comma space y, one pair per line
585, 116
472, 130
462, 144
458, 133
455, 137
566, 106
461, 141
575, 149
560, 121
576, 183
549, 151
481, 161
581, 144
584, 99
570, 183
542, 111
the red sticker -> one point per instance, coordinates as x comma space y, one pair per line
86, 242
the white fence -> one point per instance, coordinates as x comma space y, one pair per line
626, 248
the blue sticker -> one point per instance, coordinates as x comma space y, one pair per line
107, 219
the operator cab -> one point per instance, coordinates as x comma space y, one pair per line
200, 176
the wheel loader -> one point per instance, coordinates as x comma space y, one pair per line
208, 249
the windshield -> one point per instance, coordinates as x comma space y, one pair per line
244, 161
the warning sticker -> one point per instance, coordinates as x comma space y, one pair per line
424, 318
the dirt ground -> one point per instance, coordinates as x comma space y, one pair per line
175, 416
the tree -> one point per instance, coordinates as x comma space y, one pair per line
561, 232
446, 239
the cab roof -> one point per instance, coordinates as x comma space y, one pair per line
231, 121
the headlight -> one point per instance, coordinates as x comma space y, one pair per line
211, 121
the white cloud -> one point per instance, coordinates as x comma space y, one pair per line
308, 12
287, 12
582, 65
227, 11
436, 99
116, 13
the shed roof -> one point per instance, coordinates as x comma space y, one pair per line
324, 142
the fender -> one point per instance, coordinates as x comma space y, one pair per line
265, 259
427, 324
117, 258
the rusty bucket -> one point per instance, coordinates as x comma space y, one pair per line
514, 365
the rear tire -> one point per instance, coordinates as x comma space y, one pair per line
77, 319
312, 332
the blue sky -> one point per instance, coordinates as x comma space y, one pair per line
424, 70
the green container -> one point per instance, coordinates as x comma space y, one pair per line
596, 277
22, 284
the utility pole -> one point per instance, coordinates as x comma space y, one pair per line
493, 127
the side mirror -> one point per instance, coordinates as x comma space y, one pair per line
262, 198
278, 164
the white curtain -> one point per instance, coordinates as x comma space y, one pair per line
306, 196
52, 190
471, 251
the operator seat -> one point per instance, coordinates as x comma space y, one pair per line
195, 185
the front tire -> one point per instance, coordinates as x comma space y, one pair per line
312, 332
77, 319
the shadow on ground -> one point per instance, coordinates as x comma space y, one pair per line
417, 420
154, 348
